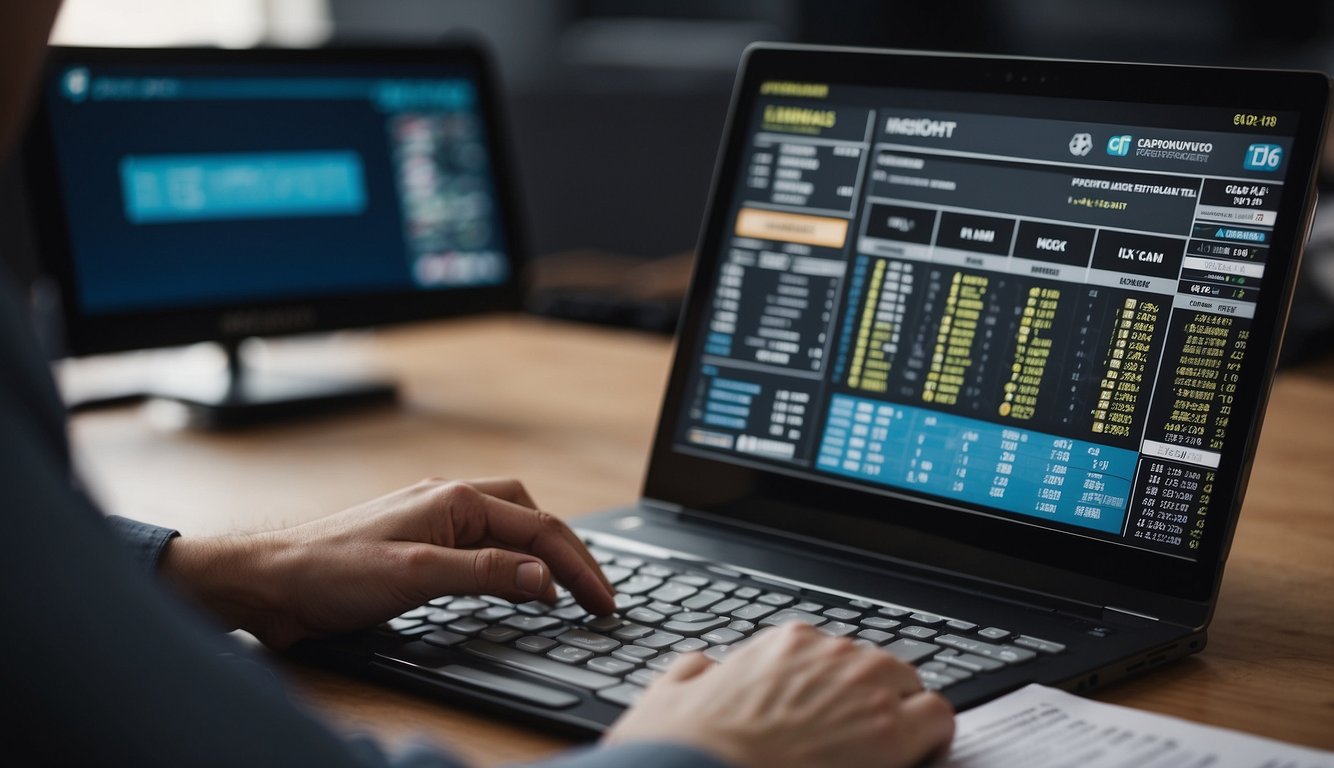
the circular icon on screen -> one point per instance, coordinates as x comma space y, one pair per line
76, 84
1081, 144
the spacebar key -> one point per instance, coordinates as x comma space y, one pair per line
539, 665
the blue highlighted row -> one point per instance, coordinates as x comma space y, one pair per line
181, 188
991, 465
390, 94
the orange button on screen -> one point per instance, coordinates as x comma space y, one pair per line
791, 227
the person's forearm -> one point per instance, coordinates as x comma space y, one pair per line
234, 578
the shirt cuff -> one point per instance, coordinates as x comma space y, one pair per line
146, 542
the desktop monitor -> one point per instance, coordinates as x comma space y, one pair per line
182, 196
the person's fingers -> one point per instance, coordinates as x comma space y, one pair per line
513, 491
475, 517
897, 676
928, 726
506, 488
688, 665
500, 572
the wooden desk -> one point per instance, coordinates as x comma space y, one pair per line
571, 410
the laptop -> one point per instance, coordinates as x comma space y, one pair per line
972, 370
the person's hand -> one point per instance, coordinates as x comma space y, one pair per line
372, 562
793, 697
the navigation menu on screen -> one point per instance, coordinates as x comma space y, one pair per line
1040, 319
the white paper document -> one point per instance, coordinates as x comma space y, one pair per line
1041, 727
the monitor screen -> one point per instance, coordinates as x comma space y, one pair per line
198, 181
1037, 310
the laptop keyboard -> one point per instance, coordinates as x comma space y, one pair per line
664, 610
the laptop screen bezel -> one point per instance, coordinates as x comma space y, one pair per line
979, 546
86, 333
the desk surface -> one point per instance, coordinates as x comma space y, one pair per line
571, 411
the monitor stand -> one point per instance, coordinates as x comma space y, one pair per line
245, 395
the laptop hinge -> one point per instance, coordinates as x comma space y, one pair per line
661, 506
1128, 612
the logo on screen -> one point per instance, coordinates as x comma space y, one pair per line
1119, 146
1080, 144
1263, 157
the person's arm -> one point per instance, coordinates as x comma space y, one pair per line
370, 563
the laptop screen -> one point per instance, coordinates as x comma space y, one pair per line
1033, 309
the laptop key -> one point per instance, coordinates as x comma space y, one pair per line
577, 676
746, 593
934, 681
752, 611
645, 616
643, 676
615, 573
864, 605
728, 605
589, 641
624, 694
494, 613
958, 673
879, 622
569, 654
625, 602
631, 632
499, 634
468, 626
634, 653
809, 607
838, 628
791, 614
658, 640
444, 638
569, 613
1006, 653
876, 636
466, 605
629, 562
911, 651
609, 666
960, 625
702, 600
741, 625
920, 633
726, 587
690, 644
971, 662
400, 624
531, 623
673, 592
534, 644
604, 623
663, 662
692, 580
843, 614
776, 598
927, 619
994, 633
721, 636
1038, 644
693, 628
656, 571
894, 612
637, 585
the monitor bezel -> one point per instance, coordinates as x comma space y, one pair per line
95, 333
885, 524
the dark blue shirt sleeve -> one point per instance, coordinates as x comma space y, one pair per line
146, 542
103, 664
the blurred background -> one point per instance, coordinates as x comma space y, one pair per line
616, 108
